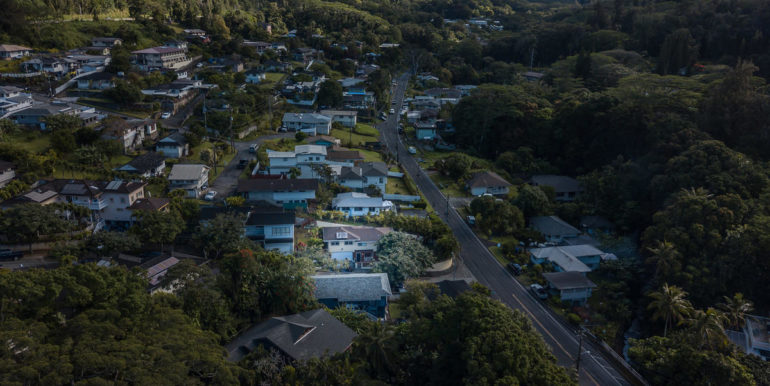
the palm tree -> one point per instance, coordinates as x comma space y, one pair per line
708, 326
735, 310
666, 259
669, 304
376, 345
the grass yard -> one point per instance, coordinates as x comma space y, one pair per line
368, 130
32, 141
448, 186
118, 161
353, 139
371, 155
221, 163
397, 186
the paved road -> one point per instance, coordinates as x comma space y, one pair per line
226, 182
563, 341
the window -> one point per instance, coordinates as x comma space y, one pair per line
361, 244
358, 209
380, 179
335, 243
372, 209
348, 243
281, 231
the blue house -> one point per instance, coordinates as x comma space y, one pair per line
359, 291
569, 258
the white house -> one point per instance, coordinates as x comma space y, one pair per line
359, 204
12, 104
288, 193
360, 177
487, 183
568, 258
173, 146
357, 244
254, 76
7, 173
120, 195
309, 123
274, 230
12, 51
347, 118
309, 158
281, 162
190, 178
571, 287
164, 57
130, 133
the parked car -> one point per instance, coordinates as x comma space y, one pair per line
392, 111
539, 291
253, 148
7, 254
471, 220
210, 195
412, 150
165, 115
514, 268
243, 163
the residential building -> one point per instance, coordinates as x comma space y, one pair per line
161, 58
344, 156
596, 224
150, 164
359, 291
355, 244
569, 258
288, 193
149, 204
274, 230
173, 146
425, 130
10, 91
35, 115
196, 32
361, 177
572, 287
465, 89
553, 228
487, 182
351, 82
12, 51
347, 118
189, 177
96, 81
255, 76
359, 204
357, 99
281, 162
87, 63
47, 64
13, 103
129, 133
275, 66
7, 173
308, 123
156, 269
306, 54
179, 88
754, 337
106, 42
309, 159
445, 95
298, 337
565, 188
119, 196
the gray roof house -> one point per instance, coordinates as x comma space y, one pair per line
570, 286
566, 188
360, 177
553, 228
149, 164
310, 334
569, 258
309, 123
189, 177
487, 183
174, 146
363, 291
360, 204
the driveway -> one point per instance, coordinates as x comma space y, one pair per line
227, 181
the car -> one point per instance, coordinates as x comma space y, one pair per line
392, 111
471, 220
205, 187
539, 291
165, 115
412, 150
253, 148
243, 163
7, 254
210, 195
514, 268
401, 130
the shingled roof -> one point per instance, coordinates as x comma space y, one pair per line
264, 185
487, 179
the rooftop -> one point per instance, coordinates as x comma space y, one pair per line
487, 178
559, 183
568, 280
151, 204
361, 233
187, 171
352, 287
552, 225
251, 185
270, 218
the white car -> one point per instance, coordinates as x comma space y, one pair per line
392, 111
412, 150
539, 291
165, 115
210, 195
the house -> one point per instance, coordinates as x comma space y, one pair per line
596, 224
345, 117
96, 81
425, 129
14, 102
487, 183
565, 188
281, 162
189, 177
357, 99
35, 114
130, 133
7, 173
532, 76
173, 146
150, 164
47, 64
569, 258
106, 42
344, 155
119, 196
357, 245
87, 63
297, 337
465, 89
274, 230
255, 76
361, 177
571, 287
12, 51
308, 123
306, 54
179, 88
149, 204
359, 204
156, 269
444, 95
755, 336
164, 58
359, 291
196, 32
350, 82
553, 228
289, 193
275, 66
323, 140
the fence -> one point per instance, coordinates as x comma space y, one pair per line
401, 197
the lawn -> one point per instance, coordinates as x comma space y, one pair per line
353, 139
448, 186
370, 155
271, 79
221, 163
32, 141
364, 129
118, 161
397, 186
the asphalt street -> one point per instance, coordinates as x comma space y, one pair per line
595, 369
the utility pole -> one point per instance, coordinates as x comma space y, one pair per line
580, 350
447, 206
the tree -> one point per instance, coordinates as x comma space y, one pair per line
158, 227
446, 246
678, 53
300, 136
708, 327
532, 201
377, 346
63, 127
456, 165
124, 93
670, 305
665, 258
735, 310
496, 217
235, 201
108, 243
330, 94
402, 256
222, 234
